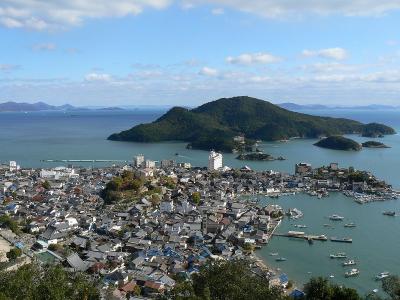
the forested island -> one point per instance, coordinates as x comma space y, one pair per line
376, 130
215, 124
338, 142
374, 144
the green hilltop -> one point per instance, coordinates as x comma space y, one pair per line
214, 124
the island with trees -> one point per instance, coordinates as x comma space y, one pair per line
375, 130
338, 142
374, 144
214, 125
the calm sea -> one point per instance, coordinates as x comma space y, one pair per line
29, 138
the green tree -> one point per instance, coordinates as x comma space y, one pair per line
8, 222
321, 289
49, 283
14, 253
226, 280
196, 198
46, 185
391, 285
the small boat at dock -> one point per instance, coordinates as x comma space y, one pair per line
280, 259
352, 273
338, 255
382, 275
389, 213
349, 263
341, 240
336, 218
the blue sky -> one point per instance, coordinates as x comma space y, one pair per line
165, 52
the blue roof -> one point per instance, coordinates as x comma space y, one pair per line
283, 278
297, 294
19, 245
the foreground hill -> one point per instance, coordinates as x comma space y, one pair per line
214, 124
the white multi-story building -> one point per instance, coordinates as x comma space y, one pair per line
138, 160
13, 166
214, 161
150, 164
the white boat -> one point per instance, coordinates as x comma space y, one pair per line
338, 255
382, 275
331, 276
350, 225
349, 263
280, 259
300, 226
274, 253
336, 218
375, 290
352, 273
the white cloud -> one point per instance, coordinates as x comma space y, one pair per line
44, 47
217, 11
298, 8
56, 14
59, 14
92, 77
253, 58
332, 53
206, 71
329, 67
8, 67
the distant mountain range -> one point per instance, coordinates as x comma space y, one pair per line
294, 106
41, 106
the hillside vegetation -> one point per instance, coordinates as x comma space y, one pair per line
214, 124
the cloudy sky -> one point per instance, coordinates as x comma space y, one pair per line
165, 52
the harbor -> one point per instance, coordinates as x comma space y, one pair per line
364, 224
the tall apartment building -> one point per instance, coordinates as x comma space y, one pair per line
214, 161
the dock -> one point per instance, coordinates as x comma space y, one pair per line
321, 237
84, 160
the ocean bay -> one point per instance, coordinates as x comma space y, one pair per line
30, 138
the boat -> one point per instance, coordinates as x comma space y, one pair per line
338, 255
349, 225
349, 263
382, 275
389, 213
331, 276
341, 240
176, 154
352, 273
336, 218
280, 259
300, 226
375, 291
273, 253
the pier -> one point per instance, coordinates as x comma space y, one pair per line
83, 160
298, 235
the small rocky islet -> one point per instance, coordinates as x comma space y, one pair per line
346, 144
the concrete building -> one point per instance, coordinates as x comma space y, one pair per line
303, 168
167, 163
214, 161
13, 166
150, 164
138, 160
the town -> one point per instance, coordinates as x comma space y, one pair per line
137, 227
